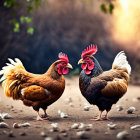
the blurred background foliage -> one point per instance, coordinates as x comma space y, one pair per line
37, 30
31, 5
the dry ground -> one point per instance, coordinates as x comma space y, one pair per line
100, 131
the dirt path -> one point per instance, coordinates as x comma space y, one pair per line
76, 113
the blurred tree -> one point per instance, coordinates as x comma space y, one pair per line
29, 7
60, 25
25, 17
107, 6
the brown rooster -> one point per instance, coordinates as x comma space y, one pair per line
103, 88
36, 90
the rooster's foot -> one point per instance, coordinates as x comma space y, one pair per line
41, 119
45, 116
106, 118
97, 119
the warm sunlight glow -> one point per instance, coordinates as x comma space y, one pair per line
126, 21
124, 4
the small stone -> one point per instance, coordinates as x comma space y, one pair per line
81, 134
16, 125
135, 127
52, 130
122, 135
111, 126
25, 124
65, 134
86, 108
75, 126
43, 134
6, 116
22, 134
89, 127
71, 105
54, 127
4, 125
49, 138
81, 126
106, 133
63, 115
131, 110
119, 107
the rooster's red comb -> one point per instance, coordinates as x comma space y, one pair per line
92, 49
63, 57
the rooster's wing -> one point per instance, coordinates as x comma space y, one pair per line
116, 83
35, 93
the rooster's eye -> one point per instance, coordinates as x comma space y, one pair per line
87, 58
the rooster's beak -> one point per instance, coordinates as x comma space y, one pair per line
69, 66
80, 61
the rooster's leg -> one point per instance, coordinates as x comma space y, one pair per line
99, 118
106, 115
39, 118
45, 114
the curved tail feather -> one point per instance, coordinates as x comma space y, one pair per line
121, 61
9, 81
